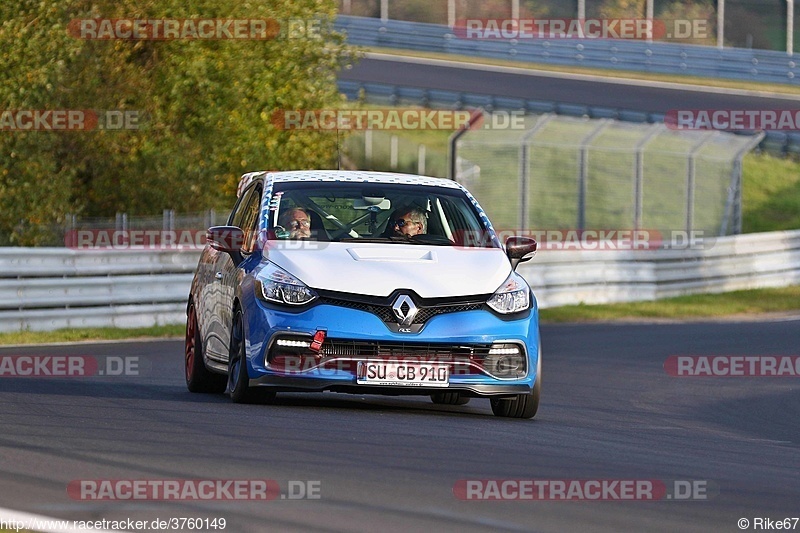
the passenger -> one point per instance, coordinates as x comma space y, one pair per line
410, 222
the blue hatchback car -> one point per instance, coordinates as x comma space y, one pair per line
365, 283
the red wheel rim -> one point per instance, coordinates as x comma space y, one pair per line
191, 326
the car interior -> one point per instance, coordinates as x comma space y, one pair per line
369, 214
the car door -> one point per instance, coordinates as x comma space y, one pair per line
227, 274
217, 337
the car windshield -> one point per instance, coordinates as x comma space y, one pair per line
389, 213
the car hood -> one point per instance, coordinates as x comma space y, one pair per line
378, 269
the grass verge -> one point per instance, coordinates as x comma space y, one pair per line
90, 334
770, 193
729, 304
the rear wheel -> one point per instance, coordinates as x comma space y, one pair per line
198, 377
238, 378
521, 405
449, 398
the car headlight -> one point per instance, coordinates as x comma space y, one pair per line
275, 285
513, 296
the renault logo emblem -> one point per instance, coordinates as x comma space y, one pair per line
404, 309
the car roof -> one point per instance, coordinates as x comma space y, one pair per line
351, 176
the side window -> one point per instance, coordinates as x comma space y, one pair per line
239, 209
249, 221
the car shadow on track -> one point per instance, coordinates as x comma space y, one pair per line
125, 389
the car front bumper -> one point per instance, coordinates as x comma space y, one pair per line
468, 331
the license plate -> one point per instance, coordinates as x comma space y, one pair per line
404, 374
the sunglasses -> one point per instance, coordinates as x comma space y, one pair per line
295, 224
401, 223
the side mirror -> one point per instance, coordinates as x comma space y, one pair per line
520, 249
228, 239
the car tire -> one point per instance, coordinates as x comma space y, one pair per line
449, 398
198, 377
238, 378
521, 405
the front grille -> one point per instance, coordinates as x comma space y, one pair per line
382, 307
383, 312
426, 313
427, 351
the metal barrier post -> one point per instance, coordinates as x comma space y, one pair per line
524, 168
638, 183
690, 175
734, 204
452, 143
583, 172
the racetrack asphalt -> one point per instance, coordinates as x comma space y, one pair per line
609, 411
643, 96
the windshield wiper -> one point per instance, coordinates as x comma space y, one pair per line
398, 240
417, 239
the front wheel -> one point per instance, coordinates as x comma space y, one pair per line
238, 378
521, 405
449, 398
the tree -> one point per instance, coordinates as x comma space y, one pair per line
204, 107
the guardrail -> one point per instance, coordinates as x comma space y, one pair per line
52, 288
614, 54
729, 263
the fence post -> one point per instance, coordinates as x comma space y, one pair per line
421, 154
789, 27
583, 176
70, 235
452, 143
638, 183
690, 179
451, 13
524, 169
168, 223
368, 147
121, 223
734, 204
393, 152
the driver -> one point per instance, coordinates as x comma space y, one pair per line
410, 222
297, 222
